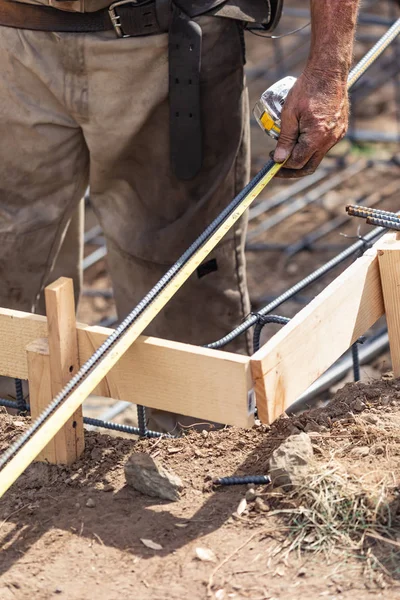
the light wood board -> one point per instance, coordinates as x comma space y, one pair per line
207, 384
389, 265
317, 336
64, 364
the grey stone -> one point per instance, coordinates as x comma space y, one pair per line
372, 419
312, 426
149, 477
251, 495
260, 505
90, 503
360, 452
357, 405
291, 461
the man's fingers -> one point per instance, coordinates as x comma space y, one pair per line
302, 153
287, 137
308, 169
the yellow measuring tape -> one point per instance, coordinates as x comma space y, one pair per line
17, 465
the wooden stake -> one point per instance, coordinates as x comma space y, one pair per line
389, 265
64, 363
40, 394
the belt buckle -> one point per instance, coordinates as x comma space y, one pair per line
116, 19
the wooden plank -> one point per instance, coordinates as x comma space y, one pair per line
389, 265
40, 394
317, 336
208, 384
64, 363
203, 383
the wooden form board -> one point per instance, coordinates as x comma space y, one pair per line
317, 336
185, 379
389, 265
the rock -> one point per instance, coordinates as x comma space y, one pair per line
260, 505
90, 503
251, 495
108, 487
360, 452
372, 392
372, 419
295, 431
96, 455
357, 405
149, 477
290, 462
313, 427
349, 418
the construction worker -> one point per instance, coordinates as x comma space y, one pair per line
145, 101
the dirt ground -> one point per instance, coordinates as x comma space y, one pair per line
76, 533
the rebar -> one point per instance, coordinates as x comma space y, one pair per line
246, 480
298, 287
263, 320
141, 415
19, 395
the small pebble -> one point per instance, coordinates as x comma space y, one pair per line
260, 505
251, 495
372, 419
108, 487
360, 451
357, 405
90, 503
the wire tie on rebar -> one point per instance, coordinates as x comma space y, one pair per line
266, 319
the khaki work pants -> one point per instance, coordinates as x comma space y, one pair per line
79, 109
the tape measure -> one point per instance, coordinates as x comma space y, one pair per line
268, 109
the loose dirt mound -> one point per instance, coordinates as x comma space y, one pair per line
77, 532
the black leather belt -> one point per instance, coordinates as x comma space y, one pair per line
127, 18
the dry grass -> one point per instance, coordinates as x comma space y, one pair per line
331, 511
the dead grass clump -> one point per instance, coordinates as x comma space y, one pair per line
332, 510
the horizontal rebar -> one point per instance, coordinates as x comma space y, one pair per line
247, 479
384, 223
366, 211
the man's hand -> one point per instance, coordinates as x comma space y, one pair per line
315, 113
314, 118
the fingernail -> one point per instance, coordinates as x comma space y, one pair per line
280, 155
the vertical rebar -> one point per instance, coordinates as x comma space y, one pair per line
141, 414
19, 396
356, 361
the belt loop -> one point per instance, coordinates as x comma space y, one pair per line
184, 55
163, 13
